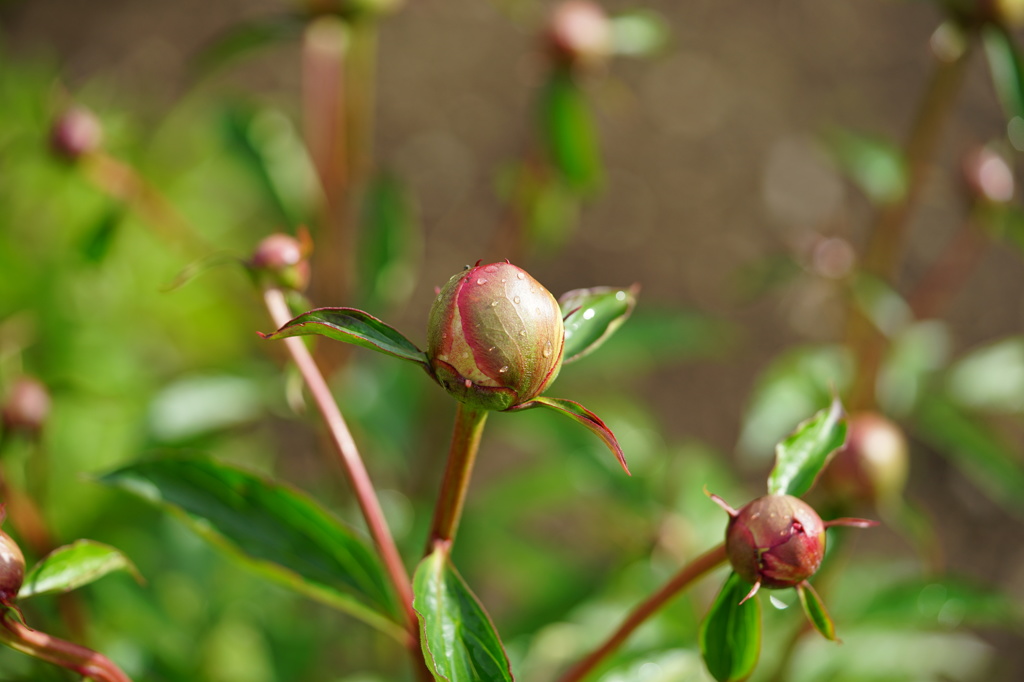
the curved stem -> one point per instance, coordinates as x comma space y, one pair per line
84, 661
352, 462
469, 427
682, 580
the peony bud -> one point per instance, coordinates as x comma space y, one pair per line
27, 406
75, 133
283, 258
495, 337
872, 465
12, 569
776, 540
579, 33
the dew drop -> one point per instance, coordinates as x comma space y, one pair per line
503, 369
522, 333
481, 281
520, 275
491, 349
547, 350
469, 384
494, 303
517, 300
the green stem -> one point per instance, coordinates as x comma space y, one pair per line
888, 235
469, 426
83, 661
682, 580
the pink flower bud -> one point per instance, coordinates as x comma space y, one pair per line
495, 337
872, 465
75, 133
988, 176
27, 406
12, 569
283, 258
776, 541
579, 33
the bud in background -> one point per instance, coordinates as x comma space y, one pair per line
495, 337
75, 133
988, 176
282, 261
872, 466
579, 33
27, 406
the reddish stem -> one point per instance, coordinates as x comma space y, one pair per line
68, 655
352, 462
689, 573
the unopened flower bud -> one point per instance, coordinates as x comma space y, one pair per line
282, 258
75, 133
495, 337
579, 33
27, 406
776, 541
872, 465
12, 569
988, 176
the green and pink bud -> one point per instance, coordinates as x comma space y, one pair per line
777, 541
12, 569
495, 337
26, 407
282, 260
76, 133
873, 464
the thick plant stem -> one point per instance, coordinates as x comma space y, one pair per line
350, 459
469, 426
886, 240
83, 661
682, 580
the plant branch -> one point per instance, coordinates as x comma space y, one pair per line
58, 651
946, 275
469, 426
352, 462
888, 235
682, 580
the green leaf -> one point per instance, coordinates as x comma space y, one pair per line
638, 33
1007, 69
592, 315
974, 448
97, 242
352, 326
801, 457
876, 166
72, 566
568, 132
390, 244
573, 409
459, 640
990, 378
272, 529
730, 635
816, 611
247, 37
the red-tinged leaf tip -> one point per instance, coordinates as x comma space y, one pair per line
264, 336
721, 503
753, 591
852, 523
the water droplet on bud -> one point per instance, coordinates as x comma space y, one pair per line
481, 281
503, 369
547, 350
520, 275
517, 300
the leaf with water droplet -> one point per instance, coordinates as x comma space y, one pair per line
593, 315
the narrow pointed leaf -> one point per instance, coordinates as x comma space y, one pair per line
585, 417
352, 326
816, 611
1005, 64
569, 135
72, 566
592, 315
801, 457
875, 165
275, 531
459, 640
730, 635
